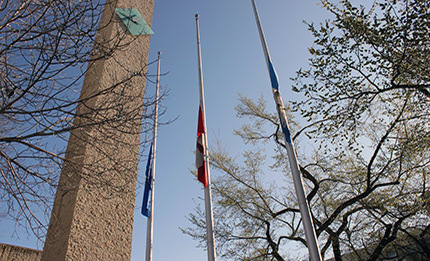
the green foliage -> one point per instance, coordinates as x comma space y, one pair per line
361, 60
367, 100
247, 208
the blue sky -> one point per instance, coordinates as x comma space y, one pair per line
233, 62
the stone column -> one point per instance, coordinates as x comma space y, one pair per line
92, 216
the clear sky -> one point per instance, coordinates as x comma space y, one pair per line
233, 62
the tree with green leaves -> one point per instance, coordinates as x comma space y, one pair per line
366, 103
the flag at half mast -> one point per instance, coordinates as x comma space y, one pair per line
201, 150
148, 195
202, 161
310, 234
146, 206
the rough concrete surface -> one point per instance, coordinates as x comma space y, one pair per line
92, 217
16, 253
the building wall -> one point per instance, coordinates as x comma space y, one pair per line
16, 253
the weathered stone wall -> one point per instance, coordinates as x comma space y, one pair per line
16, 253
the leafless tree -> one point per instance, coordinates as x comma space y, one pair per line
46, 49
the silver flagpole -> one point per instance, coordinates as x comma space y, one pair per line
311, 238
149, 234
208, 195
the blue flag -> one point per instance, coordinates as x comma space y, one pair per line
311, 238
146, 206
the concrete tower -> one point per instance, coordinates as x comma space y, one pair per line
92, 216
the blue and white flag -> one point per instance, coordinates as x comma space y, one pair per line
274, 80
311, 238
146, 204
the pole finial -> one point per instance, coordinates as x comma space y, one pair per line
197, 16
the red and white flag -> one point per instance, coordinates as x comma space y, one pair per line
201, 151
202, 158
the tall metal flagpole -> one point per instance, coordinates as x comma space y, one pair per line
208, 195
149, 234
311, 238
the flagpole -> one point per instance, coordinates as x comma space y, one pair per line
208, 195
149, 234
311, 238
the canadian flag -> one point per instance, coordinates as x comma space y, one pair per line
200, 152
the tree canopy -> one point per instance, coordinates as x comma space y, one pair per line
366, 102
